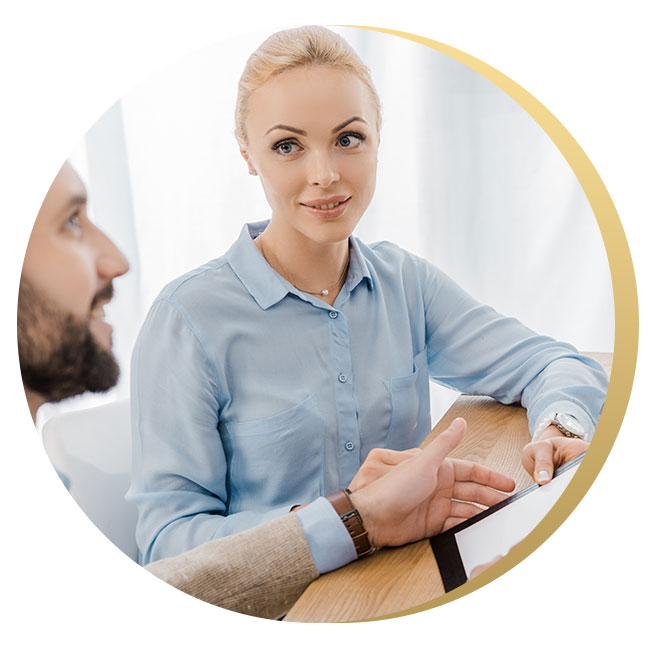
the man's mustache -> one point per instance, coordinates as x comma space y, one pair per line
103, 295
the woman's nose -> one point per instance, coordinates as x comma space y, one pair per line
322, 170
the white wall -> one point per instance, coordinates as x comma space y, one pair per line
466, 178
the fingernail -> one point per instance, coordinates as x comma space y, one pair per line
457, 422
542, 475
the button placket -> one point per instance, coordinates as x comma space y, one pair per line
346, 407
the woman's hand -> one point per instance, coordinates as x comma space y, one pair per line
379, 462
428, 493
551, 451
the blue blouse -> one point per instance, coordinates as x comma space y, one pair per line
250, 396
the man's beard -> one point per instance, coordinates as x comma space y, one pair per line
58, 354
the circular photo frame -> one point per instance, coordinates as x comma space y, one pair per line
141, 126
626, 316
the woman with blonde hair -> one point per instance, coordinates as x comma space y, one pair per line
299, 362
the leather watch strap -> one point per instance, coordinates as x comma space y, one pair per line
352, 520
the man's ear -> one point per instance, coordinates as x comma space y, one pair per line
245, 156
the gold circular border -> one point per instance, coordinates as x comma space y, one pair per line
626, 315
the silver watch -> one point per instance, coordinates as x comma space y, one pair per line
569, 426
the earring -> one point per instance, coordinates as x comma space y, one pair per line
252, 173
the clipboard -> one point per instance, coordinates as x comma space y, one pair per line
494, 531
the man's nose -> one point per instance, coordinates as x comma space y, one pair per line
111, 263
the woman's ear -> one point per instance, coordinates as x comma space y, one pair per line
245, 156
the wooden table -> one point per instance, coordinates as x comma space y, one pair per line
395, 579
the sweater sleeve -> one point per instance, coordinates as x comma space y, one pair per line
261, 571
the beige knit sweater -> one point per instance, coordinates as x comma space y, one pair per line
261, 571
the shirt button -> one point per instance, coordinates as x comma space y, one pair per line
342, 378
349, 445
334, 314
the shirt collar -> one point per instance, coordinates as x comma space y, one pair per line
358, 269
263, 283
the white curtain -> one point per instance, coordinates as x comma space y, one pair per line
466, 179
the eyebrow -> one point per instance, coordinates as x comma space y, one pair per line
293, 129
336, 129
74, 201
356, 118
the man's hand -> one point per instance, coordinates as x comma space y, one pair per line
551, 450
428, 493
477, 570
379, 462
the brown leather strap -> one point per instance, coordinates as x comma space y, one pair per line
352, 520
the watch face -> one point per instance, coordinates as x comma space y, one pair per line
570, 424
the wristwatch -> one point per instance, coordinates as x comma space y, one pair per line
351, 518
568, 425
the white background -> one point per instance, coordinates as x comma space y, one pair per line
62, 64
466, 179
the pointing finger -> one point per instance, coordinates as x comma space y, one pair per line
437, 450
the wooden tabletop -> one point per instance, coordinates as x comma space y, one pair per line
395, 579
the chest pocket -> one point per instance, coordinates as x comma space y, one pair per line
277, 460
410, 420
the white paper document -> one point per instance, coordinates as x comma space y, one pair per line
495, 535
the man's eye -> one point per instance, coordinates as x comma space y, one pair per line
73, 222
286, 147
350, 140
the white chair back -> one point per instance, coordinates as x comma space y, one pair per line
91, 449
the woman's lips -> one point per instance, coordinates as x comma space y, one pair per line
327, 208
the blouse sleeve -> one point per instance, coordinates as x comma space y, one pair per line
179, 470
473, 349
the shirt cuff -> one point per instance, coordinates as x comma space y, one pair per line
329, 542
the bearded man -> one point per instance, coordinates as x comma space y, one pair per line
64, 346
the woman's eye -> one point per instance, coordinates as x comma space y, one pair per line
286, 147
350, 140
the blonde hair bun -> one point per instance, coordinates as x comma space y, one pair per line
293, 48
